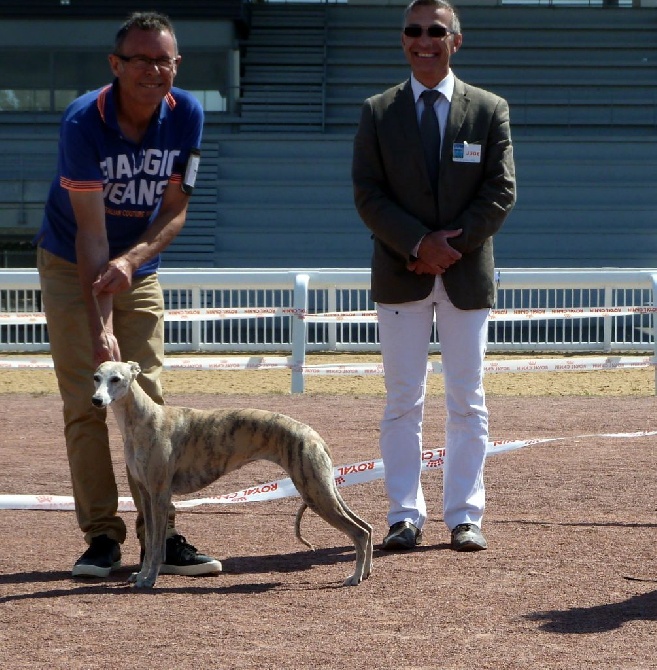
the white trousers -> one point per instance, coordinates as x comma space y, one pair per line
404, 332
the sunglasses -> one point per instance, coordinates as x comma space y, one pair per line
434, 30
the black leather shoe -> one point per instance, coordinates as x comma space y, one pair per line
402, 535
468, 537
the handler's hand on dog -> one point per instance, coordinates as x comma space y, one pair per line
106, 348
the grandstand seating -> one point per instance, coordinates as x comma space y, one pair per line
274, 187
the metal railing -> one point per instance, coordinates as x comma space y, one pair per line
588, 310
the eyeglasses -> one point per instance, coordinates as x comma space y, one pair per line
144, 62
434, 30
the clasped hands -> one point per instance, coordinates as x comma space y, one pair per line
435, 254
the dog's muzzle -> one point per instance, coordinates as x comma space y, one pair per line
98, 400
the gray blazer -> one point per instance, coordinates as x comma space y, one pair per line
394, 198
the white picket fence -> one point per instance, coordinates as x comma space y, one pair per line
601, 310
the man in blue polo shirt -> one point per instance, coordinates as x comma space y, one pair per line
117, 201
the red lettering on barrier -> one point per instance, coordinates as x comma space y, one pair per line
265, 488
355, 468
228, 496
529, 443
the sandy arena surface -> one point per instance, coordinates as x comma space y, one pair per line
569, 581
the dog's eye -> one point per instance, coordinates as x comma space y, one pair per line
96, 378
115, 379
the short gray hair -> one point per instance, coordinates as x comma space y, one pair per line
440, 4
144, 21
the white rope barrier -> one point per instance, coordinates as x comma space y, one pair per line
363, 316
580, 364
345, 475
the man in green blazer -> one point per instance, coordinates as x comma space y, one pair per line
432, 219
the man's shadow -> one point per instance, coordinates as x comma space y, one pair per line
601, 618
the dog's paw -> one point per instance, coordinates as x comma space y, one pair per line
141, 581
354, 580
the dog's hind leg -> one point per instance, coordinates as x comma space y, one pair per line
364, 531
320, 493
361, 523
366, 570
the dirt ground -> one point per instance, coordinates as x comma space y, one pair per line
569, 581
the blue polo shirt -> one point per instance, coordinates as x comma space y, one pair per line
93, 156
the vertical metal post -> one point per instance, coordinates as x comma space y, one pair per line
607, 321
196, 325
653, 279
332, 326
299, 330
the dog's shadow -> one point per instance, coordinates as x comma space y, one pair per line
284, 563
117, 583
234, 565
302, 560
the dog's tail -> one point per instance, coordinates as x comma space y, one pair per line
297, 526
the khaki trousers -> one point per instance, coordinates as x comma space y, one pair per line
138, 316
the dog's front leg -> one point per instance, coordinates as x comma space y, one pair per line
155, 509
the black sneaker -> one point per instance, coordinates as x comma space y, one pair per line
103, 556
183, 559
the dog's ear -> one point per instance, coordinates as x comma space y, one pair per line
134, 369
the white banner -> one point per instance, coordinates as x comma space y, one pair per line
358, 316
345, 475
579, 364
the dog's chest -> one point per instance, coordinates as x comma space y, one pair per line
147, 448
